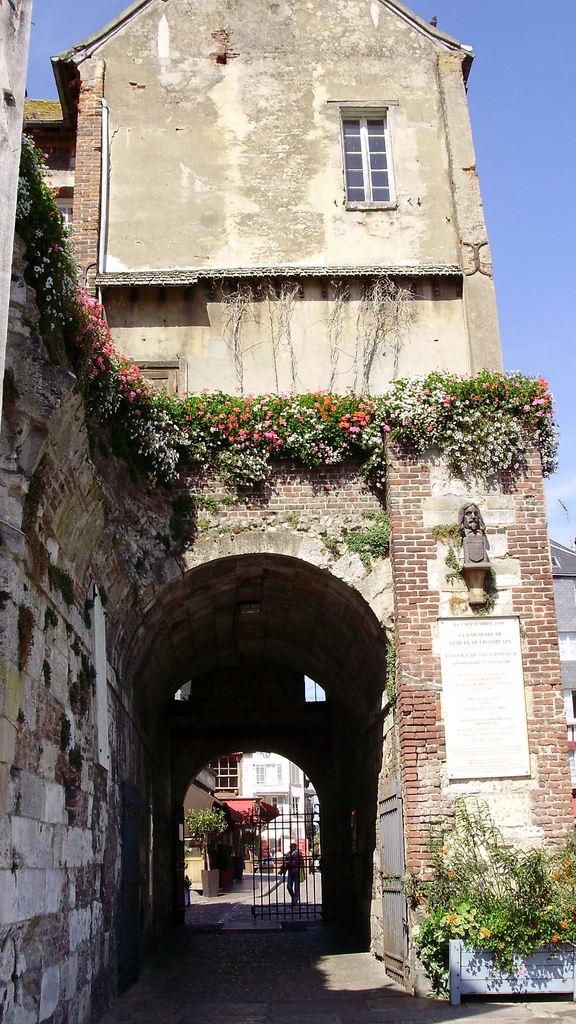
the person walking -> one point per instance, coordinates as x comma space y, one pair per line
292, 867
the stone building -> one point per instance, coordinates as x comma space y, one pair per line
564, 573
267, 197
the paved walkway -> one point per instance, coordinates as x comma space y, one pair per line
222, 967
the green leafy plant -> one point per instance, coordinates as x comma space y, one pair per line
331, 545
75, 757
453, 565
492, 895
25, 635
50, 618
207, 503
65, 732
32, 504
448, 533
490, 594
50, 267
61, 580
88, 606
373, 542
205, 826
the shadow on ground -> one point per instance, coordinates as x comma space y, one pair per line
221, 967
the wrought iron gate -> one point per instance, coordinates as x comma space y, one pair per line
394, 907
270, 843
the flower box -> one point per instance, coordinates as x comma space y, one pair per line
548, 971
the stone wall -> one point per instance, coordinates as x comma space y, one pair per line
77, 530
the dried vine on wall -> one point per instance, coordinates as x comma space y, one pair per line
289, 291
236, 304
270, 296
386, 311
335, 327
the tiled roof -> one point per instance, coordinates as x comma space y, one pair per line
161, 278
563, 560
42, 110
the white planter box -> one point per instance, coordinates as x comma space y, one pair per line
548, 971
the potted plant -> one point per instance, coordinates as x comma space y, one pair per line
205, 826
496, 919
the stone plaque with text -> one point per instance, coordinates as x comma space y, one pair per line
483, 698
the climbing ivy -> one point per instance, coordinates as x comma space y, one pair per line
373, 542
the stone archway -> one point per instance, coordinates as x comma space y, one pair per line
244, 630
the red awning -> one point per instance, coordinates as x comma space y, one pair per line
249, 812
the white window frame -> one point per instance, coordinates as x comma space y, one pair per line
570, 706
363, 114
567, 645
572, 763
313, 692
66, 207
227, 771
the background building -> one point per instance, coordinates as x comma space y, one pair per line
564, 572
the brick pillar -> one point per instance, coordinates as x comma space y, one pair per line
421, 732
86, 225
534, 602
428, 795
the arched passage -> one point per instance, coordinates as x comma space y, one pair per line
244, 631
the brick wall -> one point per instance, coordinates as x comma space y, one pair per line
293, 489
534, 603
87, 178
427, 794
421, 733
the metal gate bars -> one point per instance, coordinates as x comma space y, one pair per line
286, 862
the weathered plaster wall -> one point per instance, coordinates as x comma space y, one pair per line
224, 156
236, 109
14, 37
302, 335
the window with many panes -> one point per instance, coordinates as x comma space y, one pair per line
367, 169
267, 774
226, 769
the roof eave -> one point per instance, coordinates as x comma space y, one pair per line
162, 278
85, 48
66, 77
434, 33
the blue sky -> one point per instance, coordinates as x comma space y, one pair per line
522, 103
